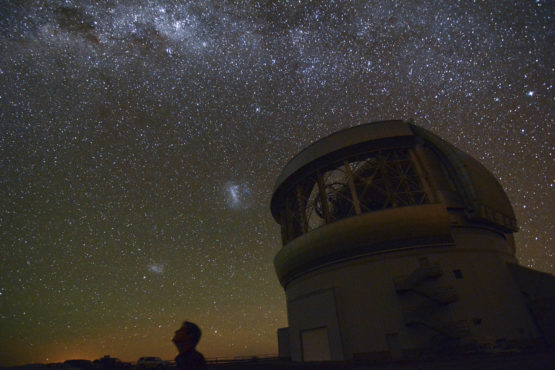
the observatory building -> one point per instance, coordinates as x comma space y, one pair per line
397, 244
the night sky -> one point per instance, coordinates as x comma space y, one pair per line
140, 142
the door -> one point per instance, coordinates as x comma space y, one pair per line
315, 344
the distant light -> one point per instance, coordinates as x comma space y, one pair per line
237, 195
234, 192
530, 93
157, 268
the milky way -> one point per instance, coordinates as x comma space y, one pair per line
139, 144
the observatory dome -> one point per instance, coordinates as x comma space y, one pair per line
380, 187
396, 244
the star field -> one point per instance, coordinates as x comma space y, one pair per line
140, 141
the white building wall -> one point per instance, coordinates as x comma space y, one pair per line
364, 313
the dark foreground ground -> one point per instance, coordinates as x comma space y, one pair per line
531, 360
517, 361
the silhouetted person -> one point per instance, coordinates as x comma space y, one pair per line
186, 339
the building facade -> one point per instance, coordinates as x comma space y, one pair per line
395, 244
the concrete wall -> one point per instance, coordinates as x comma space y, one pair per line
360, 304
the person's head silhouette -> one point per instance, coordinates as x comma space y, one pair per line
187, 337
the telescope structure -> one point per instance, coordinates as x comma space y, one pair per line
397, 244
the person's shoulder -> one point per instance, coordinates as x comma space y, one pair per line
191, 360
198, 355
180, 358
198, 360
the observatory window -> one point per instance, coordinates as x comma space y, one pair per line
294, 220
352, 186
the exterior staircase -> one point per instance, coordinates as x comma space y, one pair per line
426, 282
